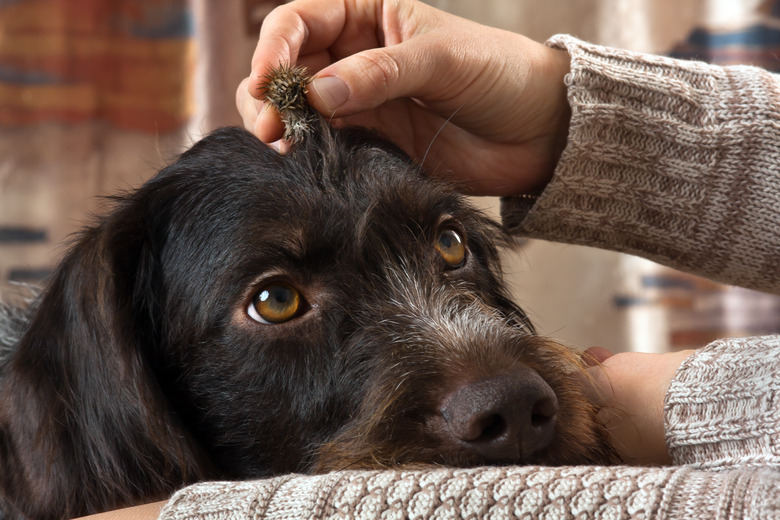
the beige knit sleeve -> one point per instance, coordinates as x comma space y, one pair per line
675, 161
722, 408
485, 493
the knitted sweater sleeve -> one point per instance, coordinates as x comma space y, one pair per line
675, 161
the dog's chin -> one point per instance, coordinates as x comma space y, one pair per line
505, 398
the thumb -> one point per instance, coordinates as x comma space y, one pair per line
368, 79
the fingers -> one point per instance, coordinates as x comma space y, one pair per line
259, 118
247, 106
297, 33
302, 27
358, 83
417, 59
286, 34
317, 32
370, 78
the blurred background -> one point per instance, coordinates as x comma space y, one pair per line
97, 95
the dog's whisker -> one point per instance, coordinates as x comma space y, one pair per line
436, 136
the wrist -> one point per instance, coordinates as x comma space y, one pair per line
561, 63
547, 97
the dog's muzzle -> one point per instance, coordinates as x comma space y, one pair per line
509, 417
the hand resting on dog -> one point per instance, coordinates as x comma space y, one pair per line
632, 386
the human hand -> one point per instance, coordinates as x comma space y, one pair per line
142, 512
406, 69
631, 387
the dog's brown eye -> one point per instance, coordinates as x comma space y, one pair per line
451, 248
275, 303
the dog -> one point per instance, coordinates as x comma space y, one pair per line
246, 313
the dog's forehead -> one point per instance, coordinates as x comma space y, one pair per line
346, 183
349, 197
362, 191
348, 173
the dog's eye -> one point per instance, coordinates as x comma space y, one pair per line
275, 303
451, 248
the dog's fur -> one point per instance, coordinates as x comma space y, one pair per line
138, 369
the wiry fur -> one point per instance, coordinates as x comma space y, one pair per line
138, 371
285, 87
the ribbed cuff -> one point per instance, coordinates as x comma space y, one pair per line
721, 408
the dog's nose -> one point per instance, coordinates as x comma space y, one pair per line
506, 418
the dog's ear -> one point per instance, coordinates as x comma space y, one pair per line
82, 417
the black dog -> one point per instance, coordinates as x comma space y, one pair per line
246, 313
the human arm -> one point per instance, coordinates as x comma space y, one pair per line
143, 512
721, 409
490, 492
712, 408
675, 161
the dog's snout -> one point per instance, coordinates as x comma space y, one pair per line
508, 418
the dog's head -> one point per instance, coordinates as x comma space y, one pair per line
246, 313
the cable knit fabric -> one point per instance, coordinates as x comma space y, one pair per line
675, 161
515, 492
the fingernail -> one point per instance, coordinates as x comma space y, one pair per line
276, 145
331, 90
